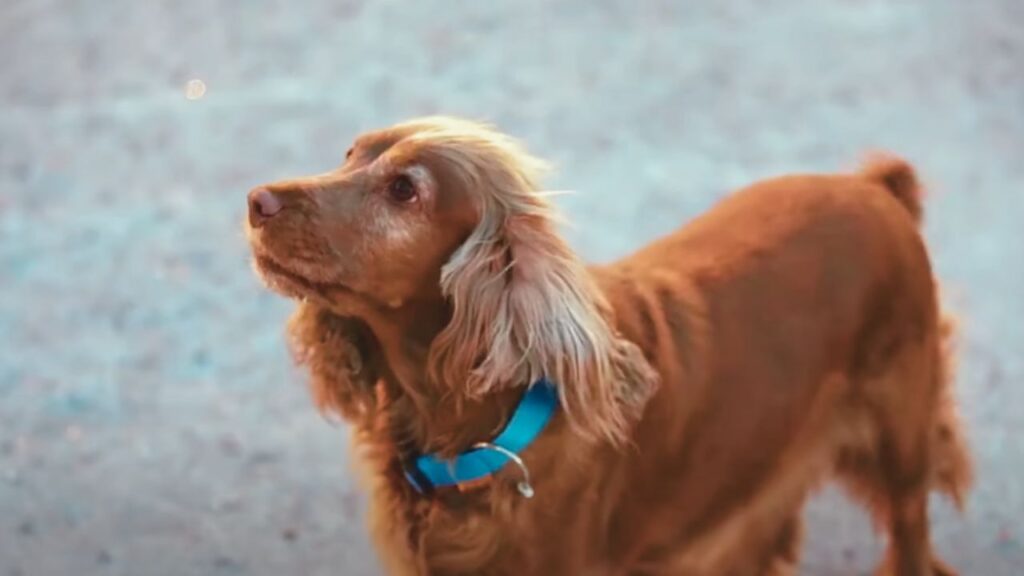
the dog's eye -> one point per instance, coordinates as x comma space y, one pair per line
349, 153
402, 189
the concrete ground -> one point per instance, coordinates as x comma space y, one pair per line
150, 421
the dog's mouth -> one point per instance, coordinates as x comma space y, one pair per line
273, 270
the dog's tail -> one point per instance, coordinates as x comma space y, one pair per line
897, 176
952, 471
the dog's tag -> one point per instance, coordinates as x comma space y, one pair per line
525, 489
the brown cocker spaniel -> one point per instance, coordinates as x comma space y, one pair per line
703, 385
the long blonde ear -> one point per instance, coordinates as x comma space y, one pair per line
338, 352
524, 307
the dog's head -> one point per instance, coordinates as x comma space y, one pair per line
449, 213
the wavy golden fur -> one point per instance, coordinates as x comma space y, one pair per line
709, 381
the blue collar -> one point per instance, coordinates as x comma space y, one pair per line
530, 418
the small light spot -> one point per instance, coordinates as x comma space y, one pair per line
73, 433
195, 89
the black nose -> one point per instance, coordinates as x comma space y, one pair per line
263, 205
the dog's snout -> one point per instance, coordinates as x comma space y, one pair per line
263, 205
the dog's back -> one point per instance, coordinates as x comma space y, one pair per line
797, 331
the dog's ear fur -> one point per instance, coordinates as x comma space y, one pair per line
339, 353
524, 307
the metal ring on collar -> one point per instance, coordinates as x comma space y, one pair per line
524, 486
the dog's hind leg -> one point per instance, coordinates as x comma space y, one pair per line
894, 475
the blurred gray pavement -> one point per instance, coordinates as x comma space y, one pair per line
150, 420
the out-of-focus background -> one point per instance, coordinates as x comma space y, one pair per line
150, 420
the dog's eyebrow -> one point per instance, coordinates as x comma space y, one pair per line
377, 160
397, 151
372, 146
420, 174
